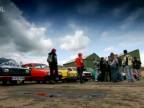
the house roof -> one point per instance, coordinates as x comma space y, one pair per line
134, 53
85, 57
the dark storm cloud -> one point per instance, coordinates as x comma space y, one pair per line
18, 33
75, 8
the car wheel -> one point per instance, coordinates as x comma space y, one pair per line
4, 82
85, 79
38, 82
23, 82
44, 82
64, 80
13, 82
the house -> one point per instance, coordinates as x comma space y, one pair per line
88, 61
135, 53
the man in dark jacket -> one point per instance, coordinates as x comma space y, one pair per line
103, 69
53, 65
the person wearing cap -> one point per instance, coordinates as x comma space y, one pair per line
80, 66
127, 64
53, 65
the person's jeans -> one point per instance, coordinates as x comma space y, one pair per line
119, 69
80, 72
129, 73
96, 75
53, 73
137, 74
114, 74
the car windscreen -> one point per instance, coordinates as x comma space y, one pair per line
8, 62
39, 66
44, 66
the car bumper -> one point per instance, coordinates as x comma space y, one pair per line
12, 78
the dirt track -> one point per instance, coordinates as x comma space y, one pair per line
73, 95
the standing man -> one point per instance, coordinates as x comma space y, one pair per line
103, 69
127, 63
80, 66
53, 65
113, 67
136, 68
119, 68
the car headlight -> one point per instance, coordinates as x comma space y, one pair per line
83, 74
6, 70
27, 71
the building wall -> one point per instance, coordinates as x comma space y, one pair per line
88, 61
134, 53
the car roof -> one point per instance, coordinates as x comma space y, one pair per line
33, 64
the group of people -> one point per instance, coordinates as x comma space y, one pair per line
114, 67
53, 65
110, 69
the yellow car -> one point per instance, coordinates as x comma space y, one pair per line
69, 74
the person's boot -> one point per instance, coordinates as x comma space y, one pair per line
52, 82
81, 81
57, 78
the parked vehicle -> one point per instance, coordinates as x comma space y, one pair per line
68, 74
87, 74
11, 72
38, 72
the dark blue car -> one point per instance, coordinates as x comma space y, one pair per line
12, 72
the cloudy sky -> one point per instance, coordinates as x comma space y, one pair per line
30, 28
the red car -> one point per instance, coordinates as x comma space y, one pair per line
39, 72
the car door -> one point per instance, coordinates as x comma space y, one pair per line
38, 71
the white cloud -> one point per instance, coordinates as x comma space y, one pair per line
75, 27
66, 60
109, 49
26, 37
132, 39
76, 42
105, 34
142, 58
19, 37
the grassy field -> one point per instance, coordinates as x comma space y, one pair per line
73, 95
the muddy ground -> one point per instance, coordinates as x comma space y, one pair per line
73, 95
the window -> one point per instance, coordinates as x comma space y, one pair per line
44, 66
37, 66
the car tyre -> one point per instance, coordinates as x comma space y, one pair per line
4, 82
13, 82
